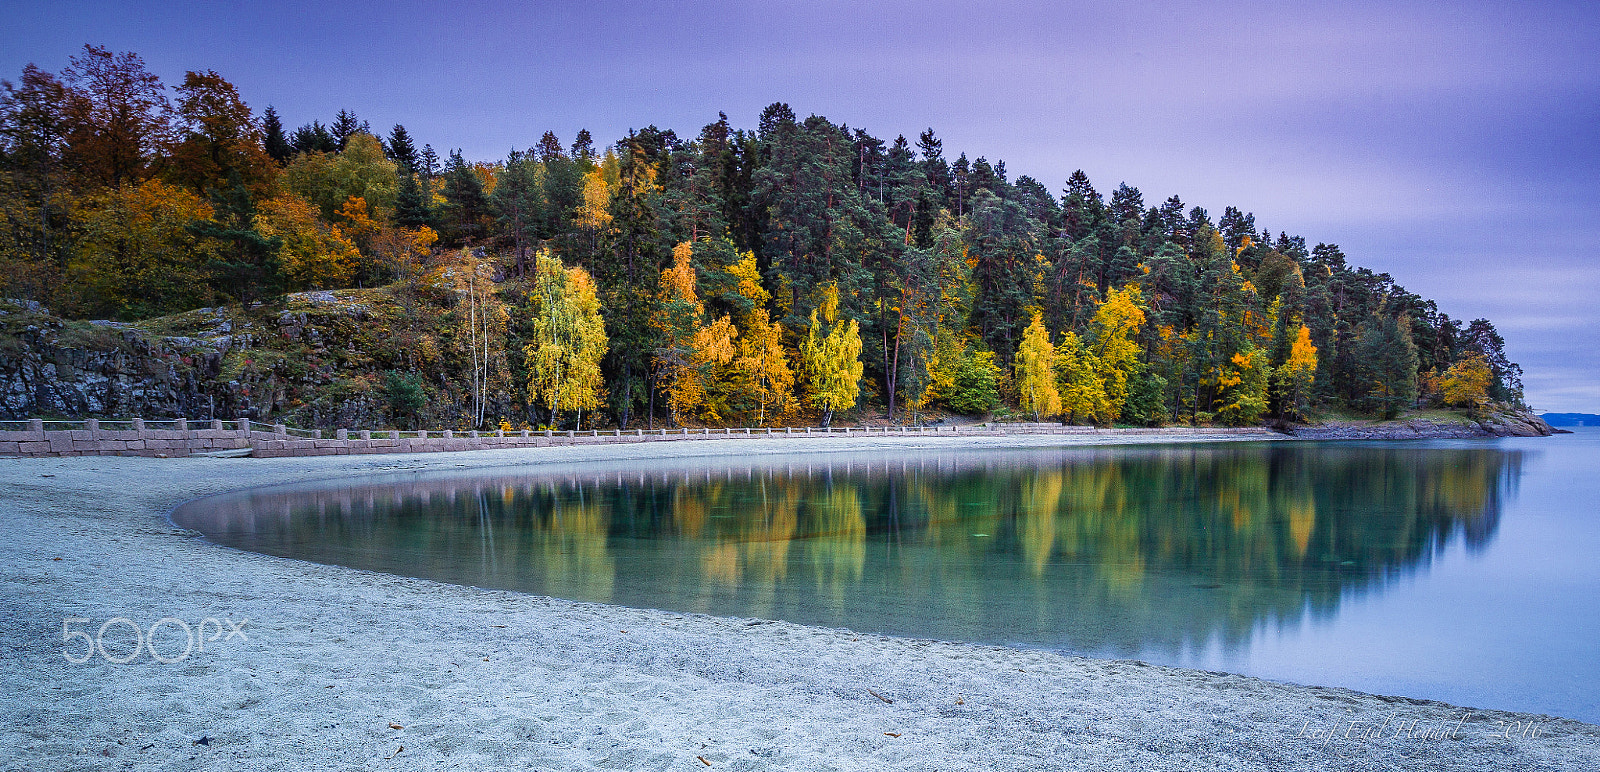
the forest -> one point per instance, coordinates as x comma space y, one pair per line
801, 270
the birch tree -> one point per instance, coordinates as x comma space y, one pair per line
569, 338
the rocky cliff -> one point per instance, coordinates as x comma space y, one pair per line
312, 360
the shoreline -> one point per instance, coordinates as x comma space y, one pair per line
334, 656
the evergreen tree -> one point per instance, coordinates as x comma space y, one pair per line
273, 139
244, 262
427, 164
346, 125
411, 209
628, 269
518, 200
466, 209
583, 146
401, 150
1001, 248
313, 138
1387, 373
549, 148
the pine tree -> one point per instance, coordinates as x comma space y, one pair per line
244, 261
1387, 373
427, 165
313, 138
549, 147
346, 125
273, 139
583, 146
401, 150
518, 201
466, 208
411, 209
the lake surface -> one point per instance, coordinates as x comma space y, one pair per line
1463, 571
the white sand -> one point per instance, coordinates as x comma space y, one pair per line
498, 680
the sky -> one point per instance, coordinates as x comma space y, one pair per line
1455, 146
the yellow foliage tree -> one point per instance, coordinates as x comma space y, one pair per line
595, 211
1243, 388
831, 358
569, 339
693, 351
404, 252
762, 365
1036, 377
1466, 383
137, 255
314, 255
1083, 394
1297, 374
1116, 354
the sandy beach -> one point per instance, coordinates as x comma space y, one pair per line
346, 669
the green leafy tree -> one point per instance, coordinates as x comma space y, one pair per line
1083, 393
405, 396
975, 385
330, 180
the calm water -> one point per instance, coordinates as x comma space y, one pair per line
1461, 571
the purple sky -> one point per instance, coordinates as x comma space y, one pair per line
1454, 145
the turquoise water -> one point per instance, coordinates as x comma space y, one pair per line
1463, 571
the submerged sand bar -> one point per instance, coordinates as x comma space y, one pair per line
332, 659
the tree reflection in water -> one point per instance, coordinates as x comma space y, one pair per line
1092, 549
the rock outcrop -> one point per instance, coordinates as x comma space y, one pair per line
1510, 422
305, 363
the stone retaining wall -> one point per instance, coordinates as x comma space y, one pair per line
190, 438
184, 438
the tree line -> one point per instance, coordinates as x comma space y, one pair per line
735, 276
